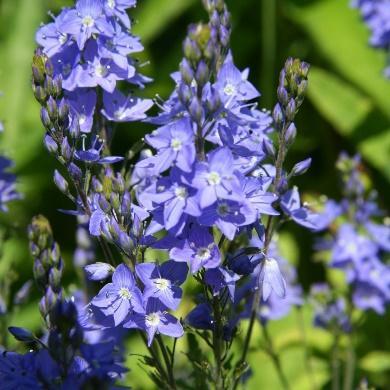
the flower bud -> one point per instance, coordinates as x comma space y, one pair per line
291, 133
187, 74
45, 119
52, 109
99, 271
75, 172
282, 95
125, 242
291, 110
202, 74
40, 94
278, 116
195, 110
184, 93
301, 167
61, 183
50, 144
66, 151
21, 334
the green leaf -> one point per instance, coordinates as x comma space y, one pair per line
341, 36
338, 101
376, 361
21, 136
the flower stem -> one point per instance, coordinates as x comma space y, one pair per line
335, 363
217, 344
349, 368
167, 361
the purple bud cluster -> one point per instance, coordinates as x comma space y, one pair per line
359, 239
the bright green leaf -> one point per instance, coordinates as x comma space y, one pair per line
376, 361
338, 101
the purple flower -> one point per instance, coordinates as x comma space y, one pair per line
351, 247
216, 180
82, 108
119, 108
155, 320
120, 298
219, 278
87, 19
93, 154
271, 279
228, 216
233, 85
198, 249
118, 8
162, 281
200, 317
52, 37
177, 199
291, 205
175, 146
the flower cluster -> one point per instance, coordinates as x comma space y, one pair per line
83, 54
65, 358
359, 240
330, 312
376, 14
208, 189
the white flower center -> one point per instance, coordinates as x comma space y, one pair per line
88, 21
229, 89
124, 293
203, 253
152, 319
119, 114
161, 284
223, 209
181, 193
82, 119
213, 178
111, 4
100, 70
62, 38
264, 310
176, 144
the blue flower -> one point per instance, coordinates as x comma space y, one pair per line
215, 180
119, 108
198, 249
117, 300
155, 320
87, 19
175, 145
162, 281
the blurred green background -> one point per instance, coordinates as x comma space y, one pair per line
348, 108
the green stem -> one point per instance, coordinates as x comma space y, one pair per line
335, 363
274, 357
217, 345
349, 368
167, 361
154, 354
